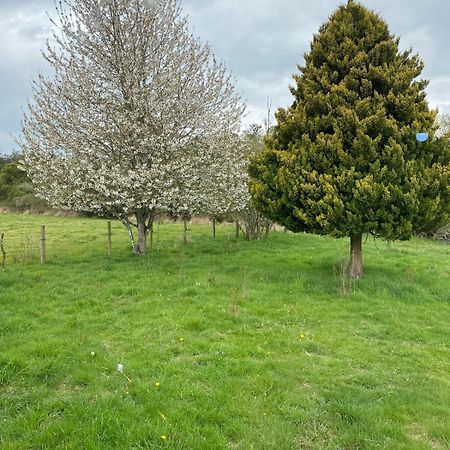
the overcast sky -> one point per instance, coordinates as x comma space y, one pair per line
261, 41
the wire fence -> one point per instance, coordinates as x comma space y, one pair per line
44, 239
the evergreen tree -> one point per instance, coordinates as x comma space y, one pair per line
343, 160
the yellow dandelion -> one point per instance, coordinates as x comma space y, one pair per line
181, 339
164, 437
157, 383
302, 336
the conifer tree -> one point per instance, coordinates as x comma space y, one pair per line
343, 160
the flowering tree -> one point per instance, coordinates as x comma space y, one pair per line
213, 182
226, 193
132, 112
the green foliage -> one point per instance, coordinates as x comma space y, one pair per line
253, 223
8, 158
343, 159
13, 181
272, 355
16, 190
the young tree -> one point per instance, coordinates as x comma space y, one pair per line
134, 103
216, 185
343, 160
253, 223
225, 189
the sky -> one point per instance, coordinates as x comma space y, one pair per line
261, 42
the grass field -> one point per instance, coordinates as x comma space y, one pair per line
225, 344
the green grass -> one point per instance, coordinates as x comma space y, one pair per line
219, 325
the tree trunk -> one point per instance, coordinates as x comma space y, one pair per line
214, 228
142, 234
237, 228
267, 229
127, 224
140, 247
149, 221
356, 267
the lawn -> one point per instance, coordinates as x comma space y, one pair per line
225, 344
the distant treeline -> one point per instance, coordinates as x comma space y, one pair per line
16, 190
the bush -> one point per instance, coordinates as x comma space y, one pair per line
16, 190
443, 234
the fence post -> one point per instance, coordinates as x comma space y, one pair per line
3, 252
109, 239
185, 230
42, 247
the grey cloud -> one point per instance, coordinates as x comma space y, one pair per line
38, 31
263, 36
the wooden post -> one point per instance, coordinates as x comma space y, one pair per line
109, 239
3, 252
185, 229
151, 236
157, 237
42, 244
214, 228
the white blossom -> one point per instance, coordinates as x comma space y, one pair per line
137, 118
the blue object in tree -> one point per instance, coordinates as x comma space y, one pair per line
422, 137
